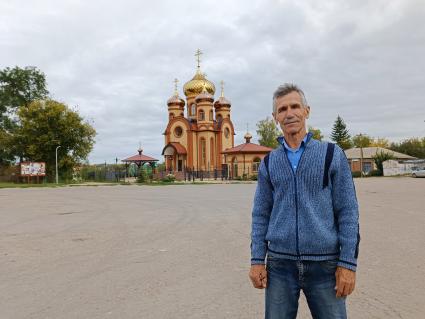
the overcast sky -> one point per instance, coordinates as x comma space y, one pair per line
116, 61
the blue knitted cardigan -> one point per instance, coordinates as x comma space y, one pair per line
297, 216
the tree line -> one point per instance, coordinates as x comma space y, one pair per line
33, 125
268, 132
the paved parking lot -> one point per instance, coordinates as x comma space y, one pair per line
183, 252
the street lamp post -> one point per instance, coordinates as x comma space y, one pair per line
57, 175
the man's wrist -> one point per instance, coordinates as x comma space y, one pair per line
347, 265
257, 261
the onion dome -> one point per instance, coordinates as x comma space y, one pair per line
247, 137
222, 101
205, 95
196, 85
175, 99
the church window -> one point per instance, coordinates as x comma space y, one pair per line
212, 151
219, 118
178, 131
201, 115
171, 116
256, 164
228, 116
193, 110
226, 132
203, 152
211, 115
181, 114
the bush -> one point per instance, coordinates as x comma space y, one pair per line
170, 178
356, 174
375, 172
254, 177
143, 176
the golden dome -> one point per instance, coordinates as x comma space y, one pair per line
195, 86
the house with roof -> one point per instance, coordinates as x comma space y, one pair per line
244, 160
362, 157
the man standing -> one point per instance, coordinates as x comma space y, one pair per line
304, 219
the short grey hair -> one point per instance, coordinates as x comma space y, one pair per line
285, 89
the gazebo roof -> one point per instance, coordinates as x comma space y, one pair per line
247, 148
139, 158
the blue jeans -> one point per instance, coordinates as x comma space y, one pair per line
317, 280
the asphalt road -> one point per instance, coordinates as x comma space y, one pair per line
183, 252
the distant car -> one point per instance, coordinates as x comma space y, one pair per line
418, 172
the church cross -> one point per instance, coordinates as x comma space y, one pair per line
175, 86
198, 56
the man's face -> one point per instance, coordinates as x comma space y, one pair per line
291, 114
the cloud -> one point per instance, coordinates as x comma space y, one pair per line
117, 61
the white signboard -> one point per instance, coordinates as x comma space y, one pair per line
33, 169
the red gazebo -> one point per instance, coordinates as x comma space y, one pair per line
140, 160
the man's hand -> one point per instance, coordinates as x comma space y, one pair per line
345, 281
258, 276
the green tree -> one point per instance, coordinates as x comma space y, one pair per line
43, 125
6, 156
340, 134
379, 158
412, 146
380, 142
317, 134
362, 140
18, 87
268, 133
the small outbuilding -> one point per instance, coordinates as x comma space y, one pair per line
359, 157
244, 160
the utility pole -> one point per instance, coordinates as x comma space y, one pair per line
57, 175
116, 166
361, 155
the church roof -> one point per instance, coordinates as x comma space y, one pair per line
222, 101
247, 148
180, 149
175, 99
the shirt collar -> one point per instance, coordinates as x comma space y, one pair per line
282, 141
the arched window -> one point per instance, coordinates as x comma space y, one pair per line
256, 164
211, 115
219, 118
193, 109
171, 116
212, 151
203, 152
201, 116
228, 115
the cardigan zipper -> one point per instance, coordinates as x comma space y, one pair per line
296, 192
